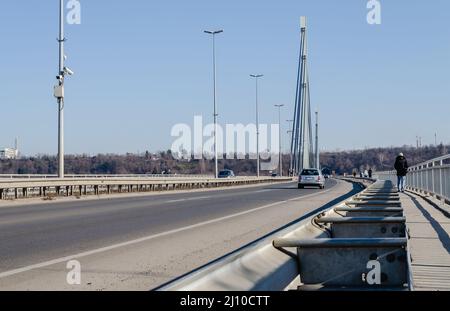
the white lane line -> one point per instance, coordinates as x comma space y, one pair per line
144, 239
188, 199
265, 190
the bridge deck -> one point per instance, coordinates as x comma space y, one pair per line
429, 244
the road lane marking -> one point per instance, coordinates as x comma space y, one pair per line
188, 199
147, 238
265, 190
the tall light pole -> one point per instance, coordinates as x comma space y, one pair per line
257, 123
290, 149
280, 167
317, 141
290, 154
59, 90
216, 162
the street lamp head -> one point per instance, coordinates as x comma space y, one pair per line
213, 32
256, 76
279, 106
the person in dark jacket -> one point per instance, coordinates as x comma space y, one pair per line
401, 166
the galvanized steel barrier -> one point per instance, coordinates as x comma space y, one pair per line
313, 254
51, 187
53, 176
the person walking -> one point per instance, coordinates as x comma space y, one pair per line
370, 173
401, 166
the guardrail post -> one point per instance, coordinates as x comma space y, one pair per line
432, 178
421, 179
441, 182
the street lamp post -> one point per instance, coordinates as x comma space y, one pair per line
317, 142
290, 149
216, 162
290, 154
280, 165
257, 123
59, 90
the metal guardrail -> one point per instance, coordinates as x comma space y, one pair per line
51, 176
256, 267
271, 264
431, 177
52, 187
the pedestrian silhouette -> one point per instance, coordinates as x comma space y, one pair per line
401, 166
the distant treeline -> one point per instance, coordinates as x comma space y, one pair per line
164, 163
379, 159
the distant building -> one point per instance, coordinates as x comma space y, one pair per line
9, 153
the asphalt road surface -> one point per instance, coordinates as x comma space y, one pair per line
137, 243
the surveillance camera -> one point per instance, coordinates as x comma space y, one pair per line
68, 71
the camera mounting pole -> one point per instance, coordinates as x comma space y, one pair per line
59, 91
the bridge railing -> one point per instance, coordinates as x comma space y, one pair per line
431, 177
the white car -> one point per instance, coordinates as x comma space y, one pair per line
311, 177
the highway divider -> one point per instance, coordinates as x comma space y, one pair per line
83, 186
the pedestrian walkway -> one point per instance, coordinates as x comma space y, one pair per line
429, 244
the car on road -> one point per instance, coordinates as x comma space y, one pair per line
311, 177
226, 174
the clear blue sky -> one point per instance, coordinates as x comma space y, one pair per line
141, 66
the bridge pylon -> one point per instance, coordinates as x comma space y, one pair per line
302, 136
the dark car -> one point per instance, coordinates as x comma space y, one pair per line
226, 174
